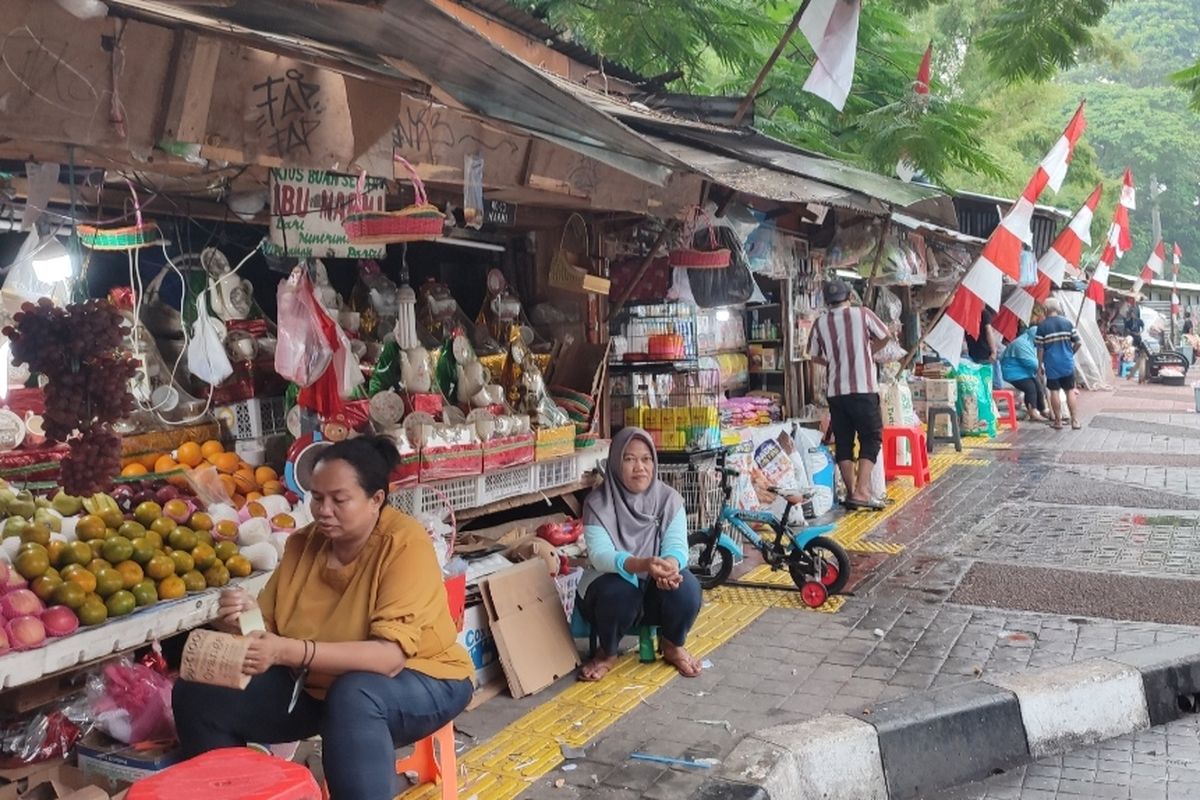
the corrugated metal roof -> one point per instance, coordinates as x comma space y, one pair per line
424, 42
938, 231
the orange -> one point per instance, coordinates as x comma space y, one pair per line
227, 483
84, 578
227, 529
283, 522
201, 521
190, 454
171, 587
239, 501
264, 474
255, 508
131, 574
147, 459
272, 487
160, 567
134, 469
211, 448
227, 462
244, 478
165, 464
239, 566
252, 496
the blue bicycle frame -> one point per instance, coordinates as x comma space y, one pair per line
738, 520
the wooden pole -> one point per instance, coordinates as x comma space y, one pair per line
642, 270
748, 102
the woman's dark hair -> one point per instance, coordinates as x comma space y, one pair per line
373, 459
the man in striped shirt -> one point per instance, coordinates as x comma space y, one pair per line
845, 339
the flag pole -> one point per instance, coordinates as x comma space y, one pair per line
916, 349
748, 101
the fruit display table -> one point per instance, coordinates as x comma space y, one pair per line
92, 644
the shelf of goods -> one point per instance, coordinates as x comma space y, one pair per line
474, 494
116, 636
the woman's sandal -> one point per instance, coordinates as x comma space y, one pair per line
864, 505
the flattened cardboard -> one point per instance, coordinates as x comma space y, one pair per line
531, 633
59, 781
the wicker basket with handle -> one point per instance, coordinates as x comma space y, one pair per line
420, 222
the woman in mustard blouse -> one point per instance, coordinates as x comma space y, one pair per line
360, 646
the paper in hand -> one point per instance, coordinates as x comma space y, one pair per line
215, 658
251, 621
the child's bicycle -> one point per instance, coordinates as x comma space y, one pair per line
819, 565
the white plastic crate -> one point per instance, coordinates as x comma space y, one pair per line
559, 472
506, 483
459, 493
253, 419
406, 500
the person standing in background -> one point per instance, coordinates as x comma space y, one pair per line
1057, 342
845, 338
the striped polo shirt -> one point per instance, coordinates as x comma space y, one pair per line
842, 337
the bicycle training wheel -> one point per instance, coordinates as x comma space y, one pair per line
822, 560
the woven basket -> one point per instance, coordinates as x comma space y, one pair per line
130, 237
420, 222
691, 258
565, 274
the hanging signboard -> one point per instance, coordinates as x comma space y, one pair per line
307, 210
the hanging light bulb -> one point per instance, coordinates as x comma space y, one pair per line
52, 263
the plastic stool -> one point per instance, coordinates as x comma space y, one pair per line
440, 767
955, 437
918, 470
234, 773
1009, 417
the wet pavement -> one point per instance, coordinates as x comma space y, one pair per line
953, 586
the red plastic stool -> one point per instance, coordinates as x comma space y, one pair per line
918, 470
234, 773
1008, 417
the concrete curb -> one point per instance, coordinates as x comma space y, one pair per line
943, 738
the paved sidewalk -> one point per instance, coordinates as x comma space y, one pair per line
1037, 498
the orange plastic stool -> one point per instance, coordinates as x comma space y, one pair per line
440, 767
918, 469
1008, 417
234, 773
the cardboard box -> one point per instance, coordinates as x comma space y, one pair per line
556, 442
476, 637
508, 451
55, 780
941, 392
100, 756
532, 636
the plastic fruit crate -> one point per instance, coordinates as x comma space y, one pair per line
503, 484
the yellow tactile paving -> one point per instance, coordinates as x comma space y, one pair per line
505, 765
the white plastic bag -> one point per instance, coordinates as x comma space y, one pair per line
206, 355
302, 353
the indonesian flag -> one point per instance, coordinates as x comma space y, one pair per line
1120, 235
921, 86
1175, 305
1062, 256
1154, 266
1001, 256
1099, 282
831, 27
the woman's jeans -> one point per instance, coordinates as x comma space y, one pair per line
613, 606
363, 719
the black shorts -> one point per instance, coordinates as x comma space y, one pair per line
856, 414
1066, 384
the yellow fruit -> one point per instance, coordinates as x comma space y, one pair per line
239, 566
184, 563
69, 594
147, 460
201, 521
194, 581
225, 550
272, 487
216, 576
165, 464
227, 462
109, 582
226, 529
147, 512
89, 527
171, 588
32, 564
211, 448
265, 474
182, 539
55, 549
131, 574
44, 585
239, 501
113, 518
228, 484
244, 480
160, 567
155, 538
283, 521
121, 603
204, 556
84, 579
131, 529
36, 533
133, 469
97, 546
163, 525
92, 612
97, 564
256, 509
204, 537
252, 496
190, 454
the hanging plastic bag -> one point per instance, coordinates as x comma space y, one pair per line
723, 287
206, 355
473, 191
1029, 270
303, 351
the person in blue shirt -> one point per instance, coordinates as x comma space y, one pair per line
635, 527
1057, 342
1019, 365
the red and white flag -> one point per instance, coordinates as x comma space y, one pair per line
1001, 255
1153, 267
1118, 242
831, 27
1175, 304
921, 86
1063, 256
